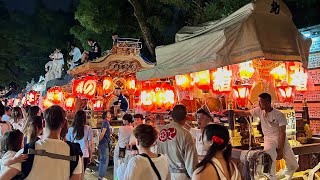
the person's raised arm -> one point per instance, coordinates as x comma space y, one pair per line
9, 173
239, 112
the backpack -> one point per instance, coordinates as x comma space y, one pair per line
26, 167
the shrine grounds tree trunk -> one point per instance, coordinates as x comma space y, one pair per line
144, 26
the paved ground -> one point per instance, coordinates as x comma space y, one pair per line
92, 173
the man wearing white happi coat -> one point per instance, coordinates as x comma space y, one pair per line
57, 63
273, 124
177, 144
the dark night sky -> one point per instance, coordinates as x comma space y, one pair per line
29, 6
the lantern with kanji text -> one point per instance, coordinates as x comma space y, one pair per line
298, 77
183, 82
241, 93
147, 97
97, 104
89, 87
169, 98
107, 84
246, 70
77, 89
221, 80
131, 84
69, 103
55, 95
201, 80
46, 103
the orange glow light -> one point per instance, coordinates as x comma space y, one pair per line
55, 95
246, 70
201, 80
107, 84
131, 85
241, 93
69, 103
285, 93
97, 104
221, 80
147, 98
183, 82
298, 77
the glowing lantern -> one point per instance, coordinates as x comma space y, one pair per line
201, 80
107, 84
285, 93
89, 87
168, 96
147, 98
69, 103
159, 96
24, 101
279, 73
46, 103
137, 96
183, 82
241, 93
55, 95
78, 87
97, 104
298, 77
131, 85
221, 80
32, 97
246, 70
16, 102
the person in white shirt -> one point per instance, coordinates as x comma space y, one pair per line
18, 119
140, 166
58, 62
204, 118
273, 124
76, 55
124, 134
6, 117
45, 167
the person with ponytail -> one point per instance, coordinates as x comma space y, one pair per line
217, 162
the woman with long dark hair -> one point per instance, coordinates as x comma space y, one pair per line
81, 133
217, 162
32, 111
34, 129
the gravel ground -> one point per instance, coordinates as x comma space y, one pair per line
92, 173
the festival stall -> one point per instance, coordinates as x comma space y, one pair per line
256, 49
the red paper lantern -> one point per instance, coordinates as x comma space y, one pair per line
183, 82
241, 93
298, 77
131, 85
285, 93
246, 70
69, 103
32, 98
147, 98
89, 87
201, 80
46, 103
221, 80
77, 89
97, 104
169, 98
55, 95
107, 84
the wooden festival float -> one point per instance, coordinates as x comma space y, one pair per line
227, 63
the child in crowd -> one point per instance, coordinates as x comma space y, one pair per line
12, 143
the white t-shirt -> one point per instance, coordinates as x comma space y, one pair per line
5, 118
18, 125
139, 168
197, 134
76, 53
124, 135
48, 168
6, 156
270, 122
84, 142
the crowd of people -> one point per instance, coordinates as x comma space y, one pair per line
44, 147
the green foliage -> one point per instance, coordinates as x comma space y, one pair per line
28, 40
